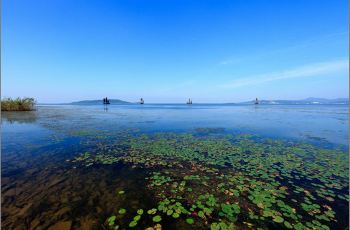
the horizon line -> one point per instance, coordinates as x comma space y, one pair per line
243, 101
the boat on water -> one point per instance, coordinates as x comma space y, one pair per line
106, 101
256, 101
189, 102
142, 101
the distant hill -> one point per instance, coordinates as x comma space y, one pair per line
307, 101
98, 102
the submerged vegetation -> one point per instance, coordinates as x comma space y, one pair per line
227, 182
18, 104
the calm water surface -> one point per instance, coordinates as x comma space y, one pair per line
41, 188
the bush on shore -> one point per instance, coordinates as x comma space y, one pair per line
18, 104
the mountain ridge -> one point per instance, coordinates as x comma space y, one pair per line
307, 101
94, 102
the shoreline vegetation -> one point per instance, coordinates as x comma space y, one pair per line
18, 104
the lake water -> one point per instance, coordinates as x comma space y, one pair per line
78, 167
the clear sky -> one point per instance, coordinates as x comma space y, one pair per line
168, 51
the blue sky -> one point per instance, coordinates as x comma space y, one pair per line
168, 51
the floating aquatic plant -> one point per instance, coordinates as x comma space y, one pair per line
152, 211
189, 220
140, 211
224, 179
157, 218
132, 224
111, 220
122, 211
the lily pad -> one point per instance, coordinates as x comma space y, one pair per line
278, 219
140, 211
152, 211
122, 211
157, 218
189, 220
132, 224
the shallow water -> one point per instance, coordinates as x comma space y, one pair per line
45, 183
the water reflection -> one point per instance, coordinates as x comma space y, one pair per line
19, 117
